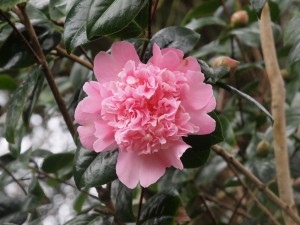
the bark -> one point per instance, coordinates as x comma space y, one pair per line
278, 112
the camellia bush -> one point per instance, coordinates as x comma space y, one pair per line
149, 112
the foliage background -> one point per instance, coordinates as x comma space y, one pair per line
41, 168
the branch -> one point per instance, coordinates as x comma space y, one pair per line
261, 186
278, 111
210, 213
41, 59
13, 177
252, 195
75, 58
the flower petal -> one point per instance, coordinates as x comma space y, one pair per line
107, 67
205, 122
171, 155
86, 136
202, 93
127, 168
105, 137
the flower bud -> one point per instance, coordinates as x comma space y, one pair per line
263, 148
224, 61
239, 18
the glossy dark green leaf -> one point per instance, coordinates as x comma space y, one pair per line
173, 37
198, 154
75, 25
10, 210
5, 5
36, 196
18, 101
258, 6
124, 198
7, 82
196, 24
162, 207
56, 162
17, 54
136, 27
110, 16
33, 100
246, 97
84, 219
205, 8
93, 169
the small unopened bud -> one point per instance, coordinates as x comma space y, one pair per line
263, 148
239, 18
285, 74
224, 61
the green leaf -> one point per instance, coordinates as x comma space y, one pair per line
136, 27
197, 24
15, 148
5, 5
294, 55
92, 219
293, 85
57, 9
292, 33
75, 25
93, 169
18, 102
173, 37
213, 74
246, 97
17, 54
161, 209
10, 210
205, 8
258, 6
7, 82
250, 35
110, 16
33, 100
5, 31
123, 204
79, 201
36, 196
198, 154
56, 162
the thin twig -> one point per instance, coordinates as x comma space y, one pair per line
226, 206
149, 31
211, 215
261, 186
154, 8
237, 207
41, 173
41, 59
74, 58
140, 206
21, 36
252, 195
14, 178
85, 54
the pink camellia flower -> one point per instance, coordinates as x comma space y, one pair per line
144, 110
